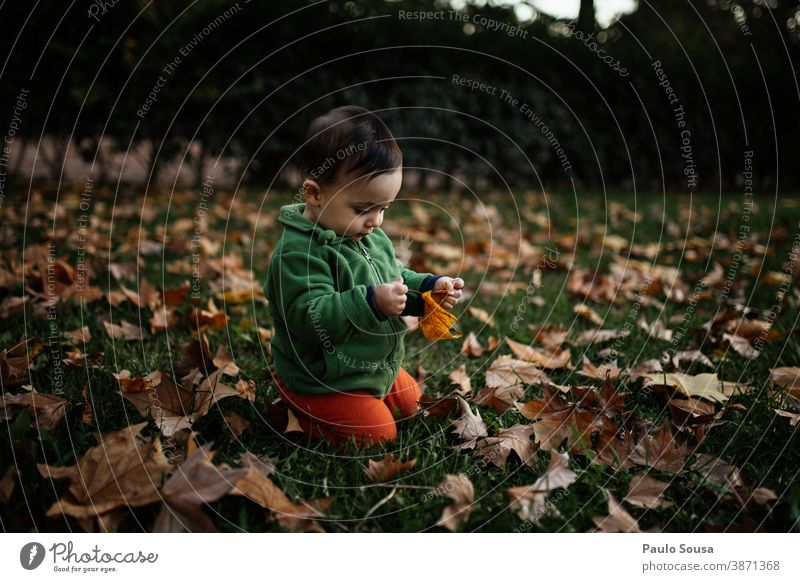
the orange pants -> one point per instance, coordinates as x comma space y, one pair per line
339, 416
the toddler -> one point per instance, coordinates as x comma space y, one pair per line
336, 290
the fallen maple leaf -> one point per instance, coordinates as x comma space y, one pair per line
530, 500
80, 335
557, 419
472, 346
516, 438
126, 331
644, 368
741, 346
702, 385
507, 371
608, 371
482, 315
459, 376
659, 449
788, 378
586, 312
46, 409
437, 323
256, 485
618, 520
458, 488
691, 355
236, 423
15, 361
546, 359
7, 484
195, 482
125, 469
387, 468
469, 427
647, 492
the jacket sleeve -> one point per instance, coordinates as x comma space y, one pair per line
312, 308
421, 282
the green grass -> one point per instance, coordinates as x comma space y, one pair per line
765, 447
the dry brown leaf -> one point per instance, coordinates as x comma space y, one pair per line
586, 312
458, 488
741, 346
691, 355
500, 399
472, 346
163, 318
556, 420
598, 336
717, 471
604, 371
438, 406
788, 378
691, 412
481, 315
259, 488
7, 484
126, 331
292, 424
194, 483
236, 423
655, 329
15, 362
545, 359
387, 468
459, 376
794, 418
47, 410
79, 336
647, 492
707, 386
516, 438
469, 427
530, 501
146, 297
77, 359
506, 371
550, 336
212, 390
124, 469
618, 520
659, 449
643, 369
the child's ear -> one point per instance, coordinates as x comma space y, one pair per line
312, 192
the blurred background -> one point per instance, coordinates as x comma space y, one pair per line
612, 94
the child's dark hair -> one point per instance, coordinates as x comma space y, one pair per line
348, 140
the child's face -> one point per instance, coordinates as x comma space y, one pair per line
350, 207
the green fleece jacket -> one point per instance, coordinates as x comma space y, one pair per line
329, 335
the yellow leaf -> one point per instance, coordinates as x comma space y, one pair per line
437, 322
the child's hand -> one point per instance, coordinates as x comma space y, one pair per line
453, 287
390, 298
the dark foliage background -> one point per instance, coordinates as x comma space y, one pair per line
249, 87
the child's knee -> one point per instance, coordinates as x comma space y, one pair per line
372, 435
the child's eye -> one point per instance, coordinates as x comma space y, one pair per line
368, 210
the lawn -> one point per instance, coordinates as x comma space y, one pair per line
610, 445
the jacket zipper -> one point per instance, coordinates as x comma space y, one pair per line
366, 254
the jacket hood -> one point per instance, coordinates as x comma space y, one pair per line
291, 215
